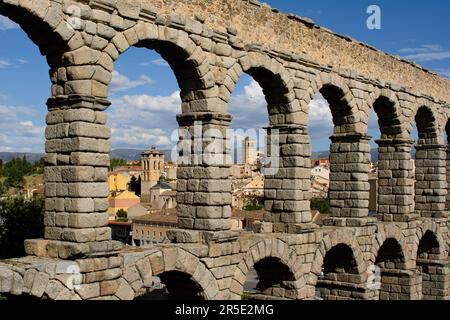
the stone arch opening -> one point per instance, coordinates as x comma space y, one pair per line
340, 259
40, 32
145, 97
187, 72
339, 278
174, 285
25, 85
391, 177
274, 88
388, 119
430, 163
200, 110
283, 142
393, 280
431, 267
340, 109
164, 112
269, 277
349, 159
426, 126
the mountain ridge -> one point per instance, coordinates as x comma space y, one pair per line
135, 155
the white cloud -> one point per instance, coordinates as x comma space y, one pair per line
138, 137
430, 56
4, 63
139, 121
120, 82
146, 103
429, 52
157, 62
19, 134
7, 24
319, 111
320, 123
249, 109
424, 49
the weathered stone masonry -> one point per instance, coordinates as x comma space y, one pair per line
209, 45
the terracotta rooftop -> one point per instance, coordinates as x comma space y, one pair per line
119, 223
152, 151
253, 215
169, 193
163, 216
129, 168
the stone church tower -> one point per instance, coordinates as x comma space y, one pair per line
249, 151
153, 165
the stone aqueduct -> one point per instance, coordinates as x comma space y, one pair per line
209, 45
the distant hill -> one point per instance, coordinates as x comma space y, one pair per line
125, 154
135, 155
31, 157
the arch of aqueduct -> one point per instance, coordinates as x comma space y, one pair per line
209, 45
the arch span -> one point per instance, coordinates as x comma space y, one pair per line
44, 23
338, 238
277, 266
275, 81
188, 60
183, 273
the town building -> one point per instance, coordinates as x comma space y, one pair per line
240, 171
246, 188
322, 162
320, 181
117, 182
152, 228
170, 171
130, 171
163, 195
153, 166
249, 152
121, 200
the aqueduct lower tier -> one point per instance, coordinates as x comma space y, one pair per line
384, 260
209, 46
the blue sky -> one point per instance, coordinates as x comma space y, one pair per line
144, 91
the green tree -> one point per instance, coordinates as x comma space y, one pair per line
253, 202
135, 185
38, 166
122, 215
15, 170
115, 163
3, 189
320, 204
20, 219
